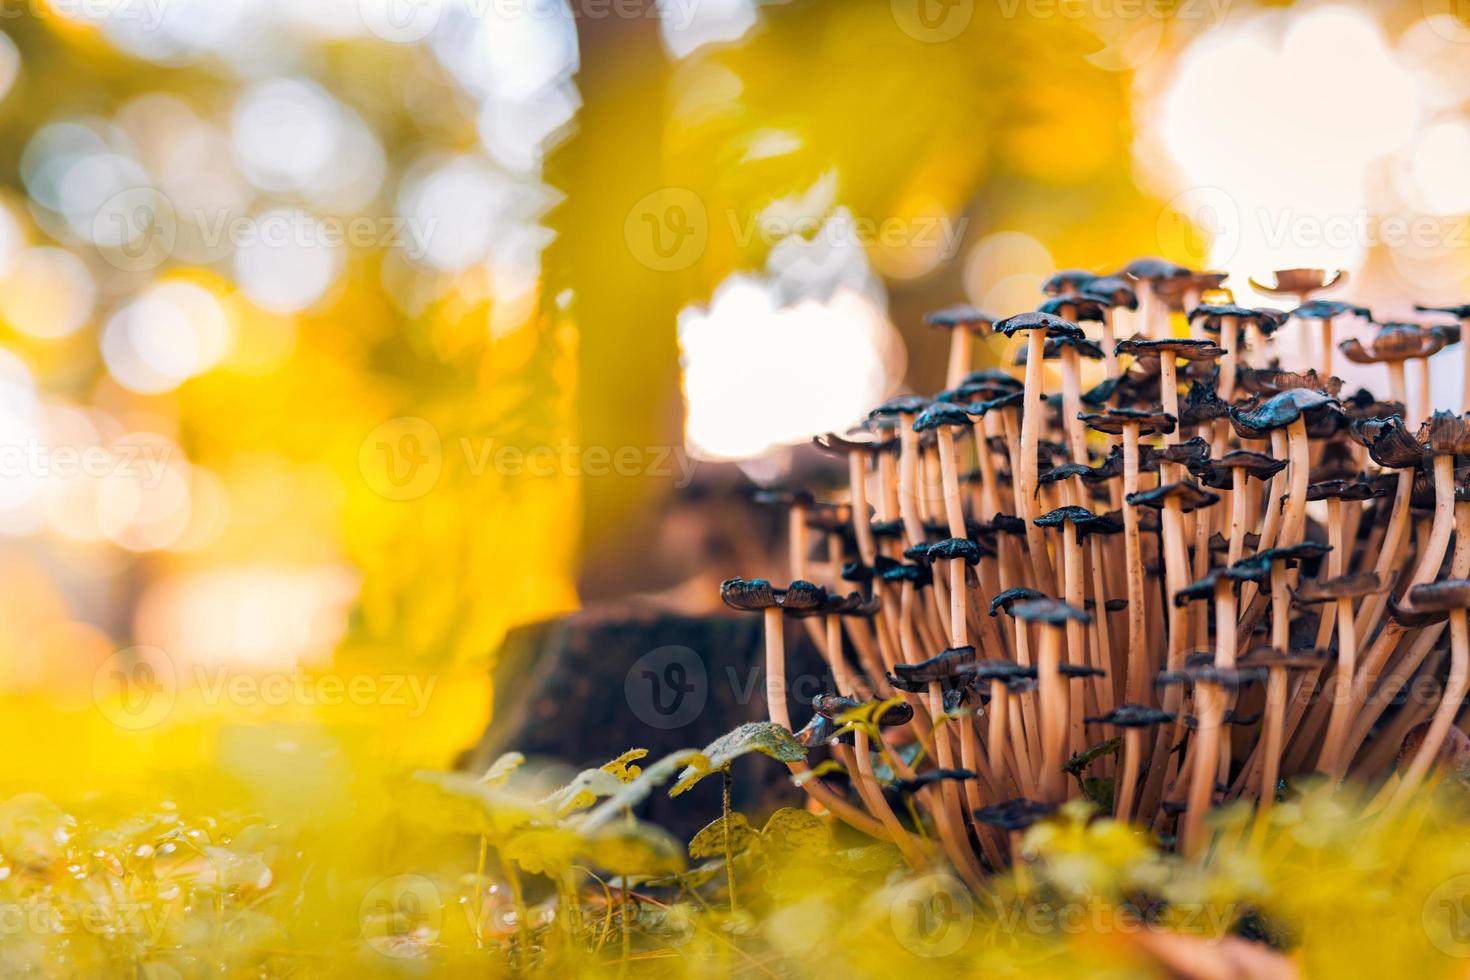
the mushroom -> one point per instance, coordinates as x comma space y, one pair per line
1151, 274
1325, 310
1067, 281
1132, 719
1461, 313
1450, 596
1277, 663
1229, 472
1290, 411
1113, 293
1226, 319
1394, 344
1013, 817
1076, 523
1301, 283
1051, 615
962, 322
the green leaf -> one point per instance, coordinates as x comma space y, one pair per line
765, 737
458, 803
622, 767
633, 849
634, 793
1099, 791
791, 832
874, 857
1075, 765
583, 791
710, 842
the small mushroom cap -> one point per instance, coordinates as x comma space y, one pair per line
1189, 494
1051, 612
992, 376
1066, 281
959, 315
997, 670
775, 497
1204, 588
1442, 596
901, 405
1015, 399
1052, 349
1214, 315
1036, 320
941, 666
1389, 442
1230, 718
1273, 381
1084, 520
941, 413
907, 787
1007, 599
955, 549
1295, 282
1132, 716
1446, 434
834, 706
1114, 421
757, 595
895, 571
1189, 453
1187, 348
1271, 319
1326, 309
1220, 473
1155, 270
1112, 291
853, 442
1281, 410
1342, 490
1014, 815
1352, 586
1202, 403
1229, 678
1410, 616
854, 604
1462, 311
817, 732
1080, 670
1395, 342
1453, 755
1079, 305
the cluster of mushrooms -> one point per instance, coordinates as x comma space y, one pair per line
1182, 586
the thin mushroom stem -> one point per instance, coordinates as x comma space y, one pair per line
1024, 469
1238, 504
1275, 688
867, 785
1398, 525
1422, 395
1128, 778
1076, 633
1133, 562
1054, 714
1211, 699
1433, 551
961, 344
1295, 516
1450, 702
1110, 344
1326, 347
1331, 761
1230, 342
1398, 389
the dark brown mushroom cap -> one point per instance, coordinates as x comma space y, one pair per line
829, 517
1412, 617
1273, 381
1326, 309
940, 414
1389, 442
903, 572
955, 549
1462, 311
1189, 453
997, 670
1230, 718
1155, 270
1189, 494
1294, 282
887, 529
1015, 399
959, 315
852, 442
1214, 315
1132, 716
901, 405
992, 376
1112, 291
1220, 543
1273, 658
1075, 671
1081, 307
853, 604
1270, 319
817, 732
774, 497
1229, 678
1204, 588
971, 391
1220, 473
1065, 471
757, 595
1352, 586
1453, 754
1084, 520
1052, 349
1066, 281
1008, 524
1036, 320
834, 706
1007, 599
1014, 815
1186, 348
908, 787
1258, 566
941, 666
1202, 403
1113, 422
1445, 434
1342, 490
1051, 612
1395, 342
1442, 596
1279, 411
